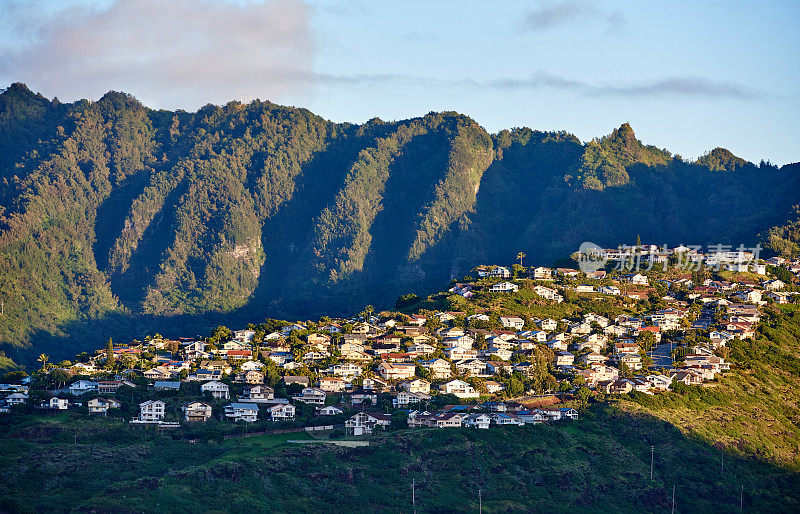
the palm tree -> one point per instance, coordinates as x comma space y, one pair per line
43, 358
520, 256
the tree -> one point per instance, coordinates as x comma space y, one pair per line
43, 358
514, 387
584, 393
520, 256
110, 353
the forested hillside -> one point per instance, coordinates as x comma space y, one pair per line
117, 219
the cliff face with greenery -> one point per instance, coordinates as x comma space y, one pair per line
119, 218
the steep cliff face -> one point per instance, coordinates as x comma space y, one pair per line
116, 215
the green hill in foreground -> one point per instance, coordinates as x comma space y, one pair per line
600, 462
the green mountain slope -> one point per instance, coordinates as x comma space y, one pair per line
119, 218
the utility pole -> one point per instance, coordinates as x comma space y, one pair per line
722, 465
741, 498
480, 501
413, 496
652, 455
673, 499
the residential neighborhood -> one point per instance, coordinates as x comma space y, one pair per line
466, 366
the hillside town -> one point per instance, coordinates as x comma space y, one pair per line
492, 359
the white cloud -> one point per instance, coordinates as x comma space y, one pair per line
176, 53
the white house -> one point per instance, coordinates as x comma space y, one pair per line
281, 412
57, 403
477, 420
504, 287
196, 411
311, 395
459, 388
151, 411
101, 405
217, 389
82, 386
238, 411
330, 410
364, 423
512, 322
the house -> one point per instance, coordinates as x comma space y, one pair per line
749, 296
281, 412
584, 288
548, 294
396, 371
364, 423
222, 366
439, 368
361, 396
564, 359
774, 285
56, 403
458, 388
636, 279
417, 385
494, 387
217, 389
345, 369
477, 420
504, 287
250, 377
238, 411
196, 411
82, 387
111, 386
533, 417
661, 382
152, 411
403, 399
258, 394
159, 373
460, 353
506, 418
311, 395
330, 410
611, 290
494, 271
373, 384
619, 386
101, 405
512, 322
446, 420
290, 379
541, 273
16, 399
332, 384
472, 367
548, 325
166, 385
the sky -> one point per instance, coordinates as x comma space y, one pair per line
687, 75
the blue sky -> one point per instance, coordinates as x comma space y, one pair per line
687, 75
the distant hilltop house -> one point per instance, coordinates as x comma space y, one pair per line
504, 287
493, 272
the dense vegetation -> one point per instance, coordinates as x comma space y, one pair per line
116, 219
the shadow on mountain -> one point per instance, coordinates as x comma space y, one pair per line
110, 218
131, 285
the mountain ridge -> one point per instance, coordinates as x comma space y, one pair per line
111, 210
